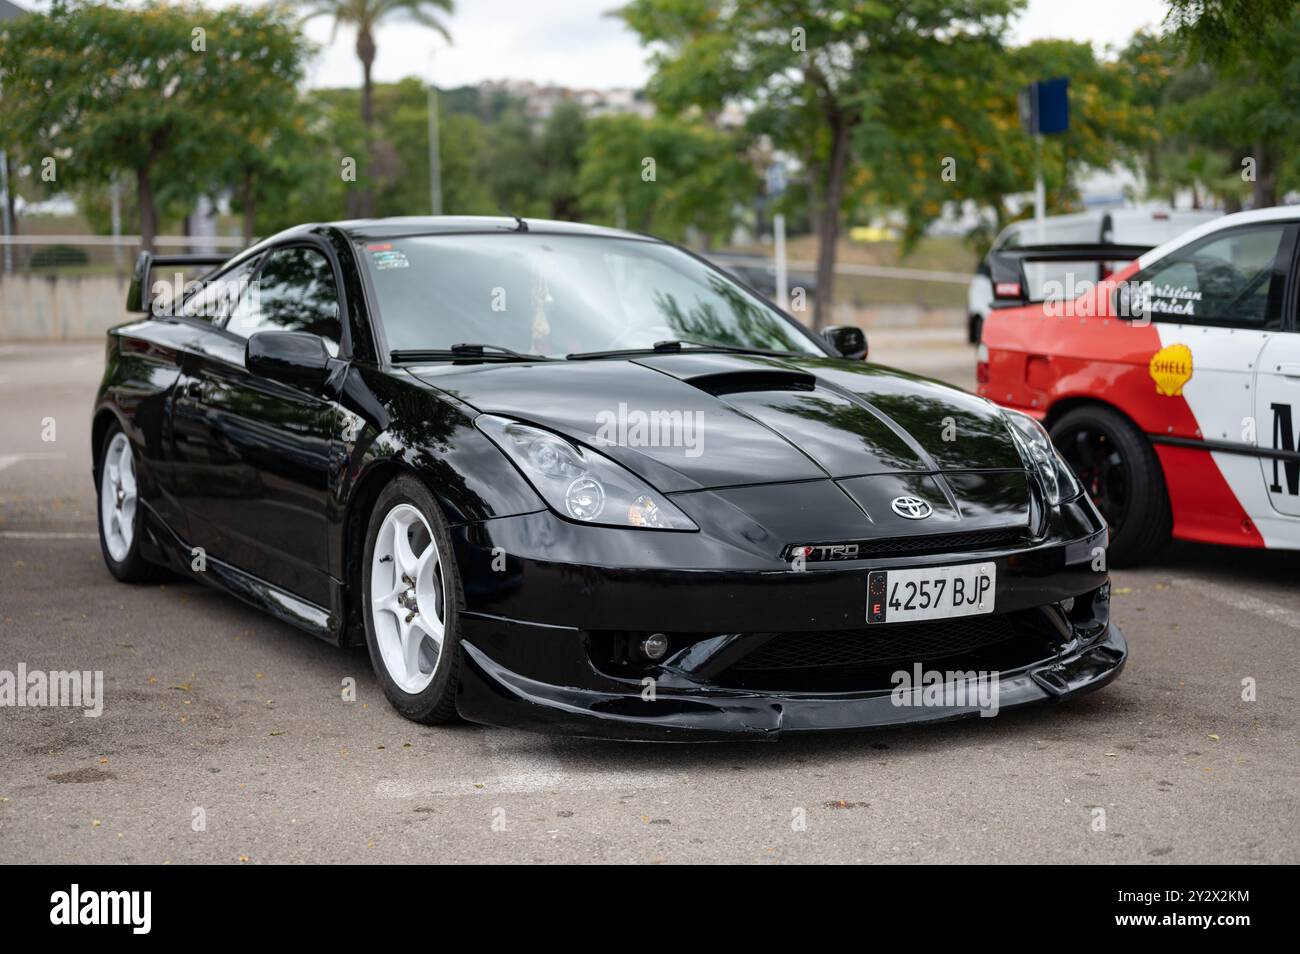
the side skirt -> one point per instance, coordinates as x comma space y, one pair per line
163, 545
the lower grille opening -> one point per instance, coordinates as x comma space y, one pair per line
866, 659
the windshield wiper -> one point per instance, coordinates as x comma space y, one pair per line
676, 347
461, 351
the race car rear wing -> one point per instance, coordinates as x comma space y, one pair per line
137, 294
1007, 266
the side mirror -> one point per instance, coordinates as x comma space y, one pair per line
847, 341
1132, 302
297, 358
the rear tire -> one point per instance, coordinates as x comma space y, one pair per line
1120, 471
120, 512
412, 600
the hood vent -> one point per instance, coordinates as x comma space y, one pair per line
740, 382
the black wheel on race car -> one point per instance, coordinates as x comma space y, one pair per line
1119, 470
412, 599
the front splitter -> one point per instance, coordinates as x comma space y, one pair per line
493, 695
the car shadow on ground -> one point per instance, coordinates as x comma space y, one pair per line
1228, 564
1048, 725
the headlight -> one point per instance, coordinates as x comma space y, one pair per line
580, 484
1038, 452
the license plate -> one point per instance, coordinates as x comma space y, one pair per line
936, 592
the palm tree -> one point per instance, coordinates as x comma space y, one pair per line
366, 15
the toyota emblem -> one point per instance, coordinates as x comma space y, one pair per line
911, 508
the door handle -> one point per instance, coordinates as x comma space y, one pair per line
1289, 370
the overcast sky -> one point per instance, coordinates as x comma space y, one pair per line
573, 42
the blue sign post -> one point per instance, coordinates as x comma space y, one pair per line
1045, 106
1044, 110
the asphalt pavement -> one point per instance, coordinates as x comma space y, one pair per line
226, 737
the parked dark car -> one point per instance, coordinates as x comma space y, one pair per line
569, 477
760, 275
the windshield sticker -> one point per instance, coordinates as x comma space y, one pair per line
1171, 368
386, 257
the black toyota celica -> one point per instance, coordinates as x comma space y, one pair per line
569, 477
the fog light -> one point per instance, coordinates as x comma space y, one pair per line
655, 647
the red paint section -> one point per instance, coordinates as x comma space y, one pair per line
1041, 355
1204, 506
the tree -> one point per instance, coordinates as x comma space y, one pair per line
94, 88
249, 78
365, 16
664, 175
967, 145
1228, 31
838, 76
512, 176
186, 101
560, 150
1225, 100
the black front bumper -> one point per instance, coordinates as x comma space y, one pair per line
548, 638
494, 695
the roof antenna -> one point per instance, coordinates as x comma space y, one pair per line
521, 225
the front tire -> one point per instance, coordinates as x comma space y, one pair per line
121, 516
412, 601
1119, 470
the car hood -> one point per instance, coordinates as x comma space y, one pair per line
694, 421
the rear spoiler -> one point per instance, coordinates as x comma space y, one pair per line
137, 298
1007, 266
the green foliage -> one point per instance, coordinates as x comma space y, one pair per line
838, 83
1227, 32
365, 15
1224, 95
249, 79
559, 154
55, 256
100, 89
700, 176
966, 121
177, 97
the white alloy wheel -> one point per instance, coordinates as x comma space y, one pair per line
118, 497
408, 601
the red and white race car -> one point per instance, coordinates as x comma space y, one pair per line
1172, 386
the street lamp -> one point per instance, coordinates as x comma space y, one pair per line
435, 170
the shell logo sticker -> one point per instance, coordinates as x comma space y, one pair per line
1171, 368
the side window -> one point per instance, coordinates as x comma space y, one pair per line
293, 292
218, 298
1230, 279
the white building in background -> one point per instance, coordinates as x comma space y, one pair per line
541, 99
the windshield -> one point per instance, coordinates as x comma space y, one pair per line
562, 294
